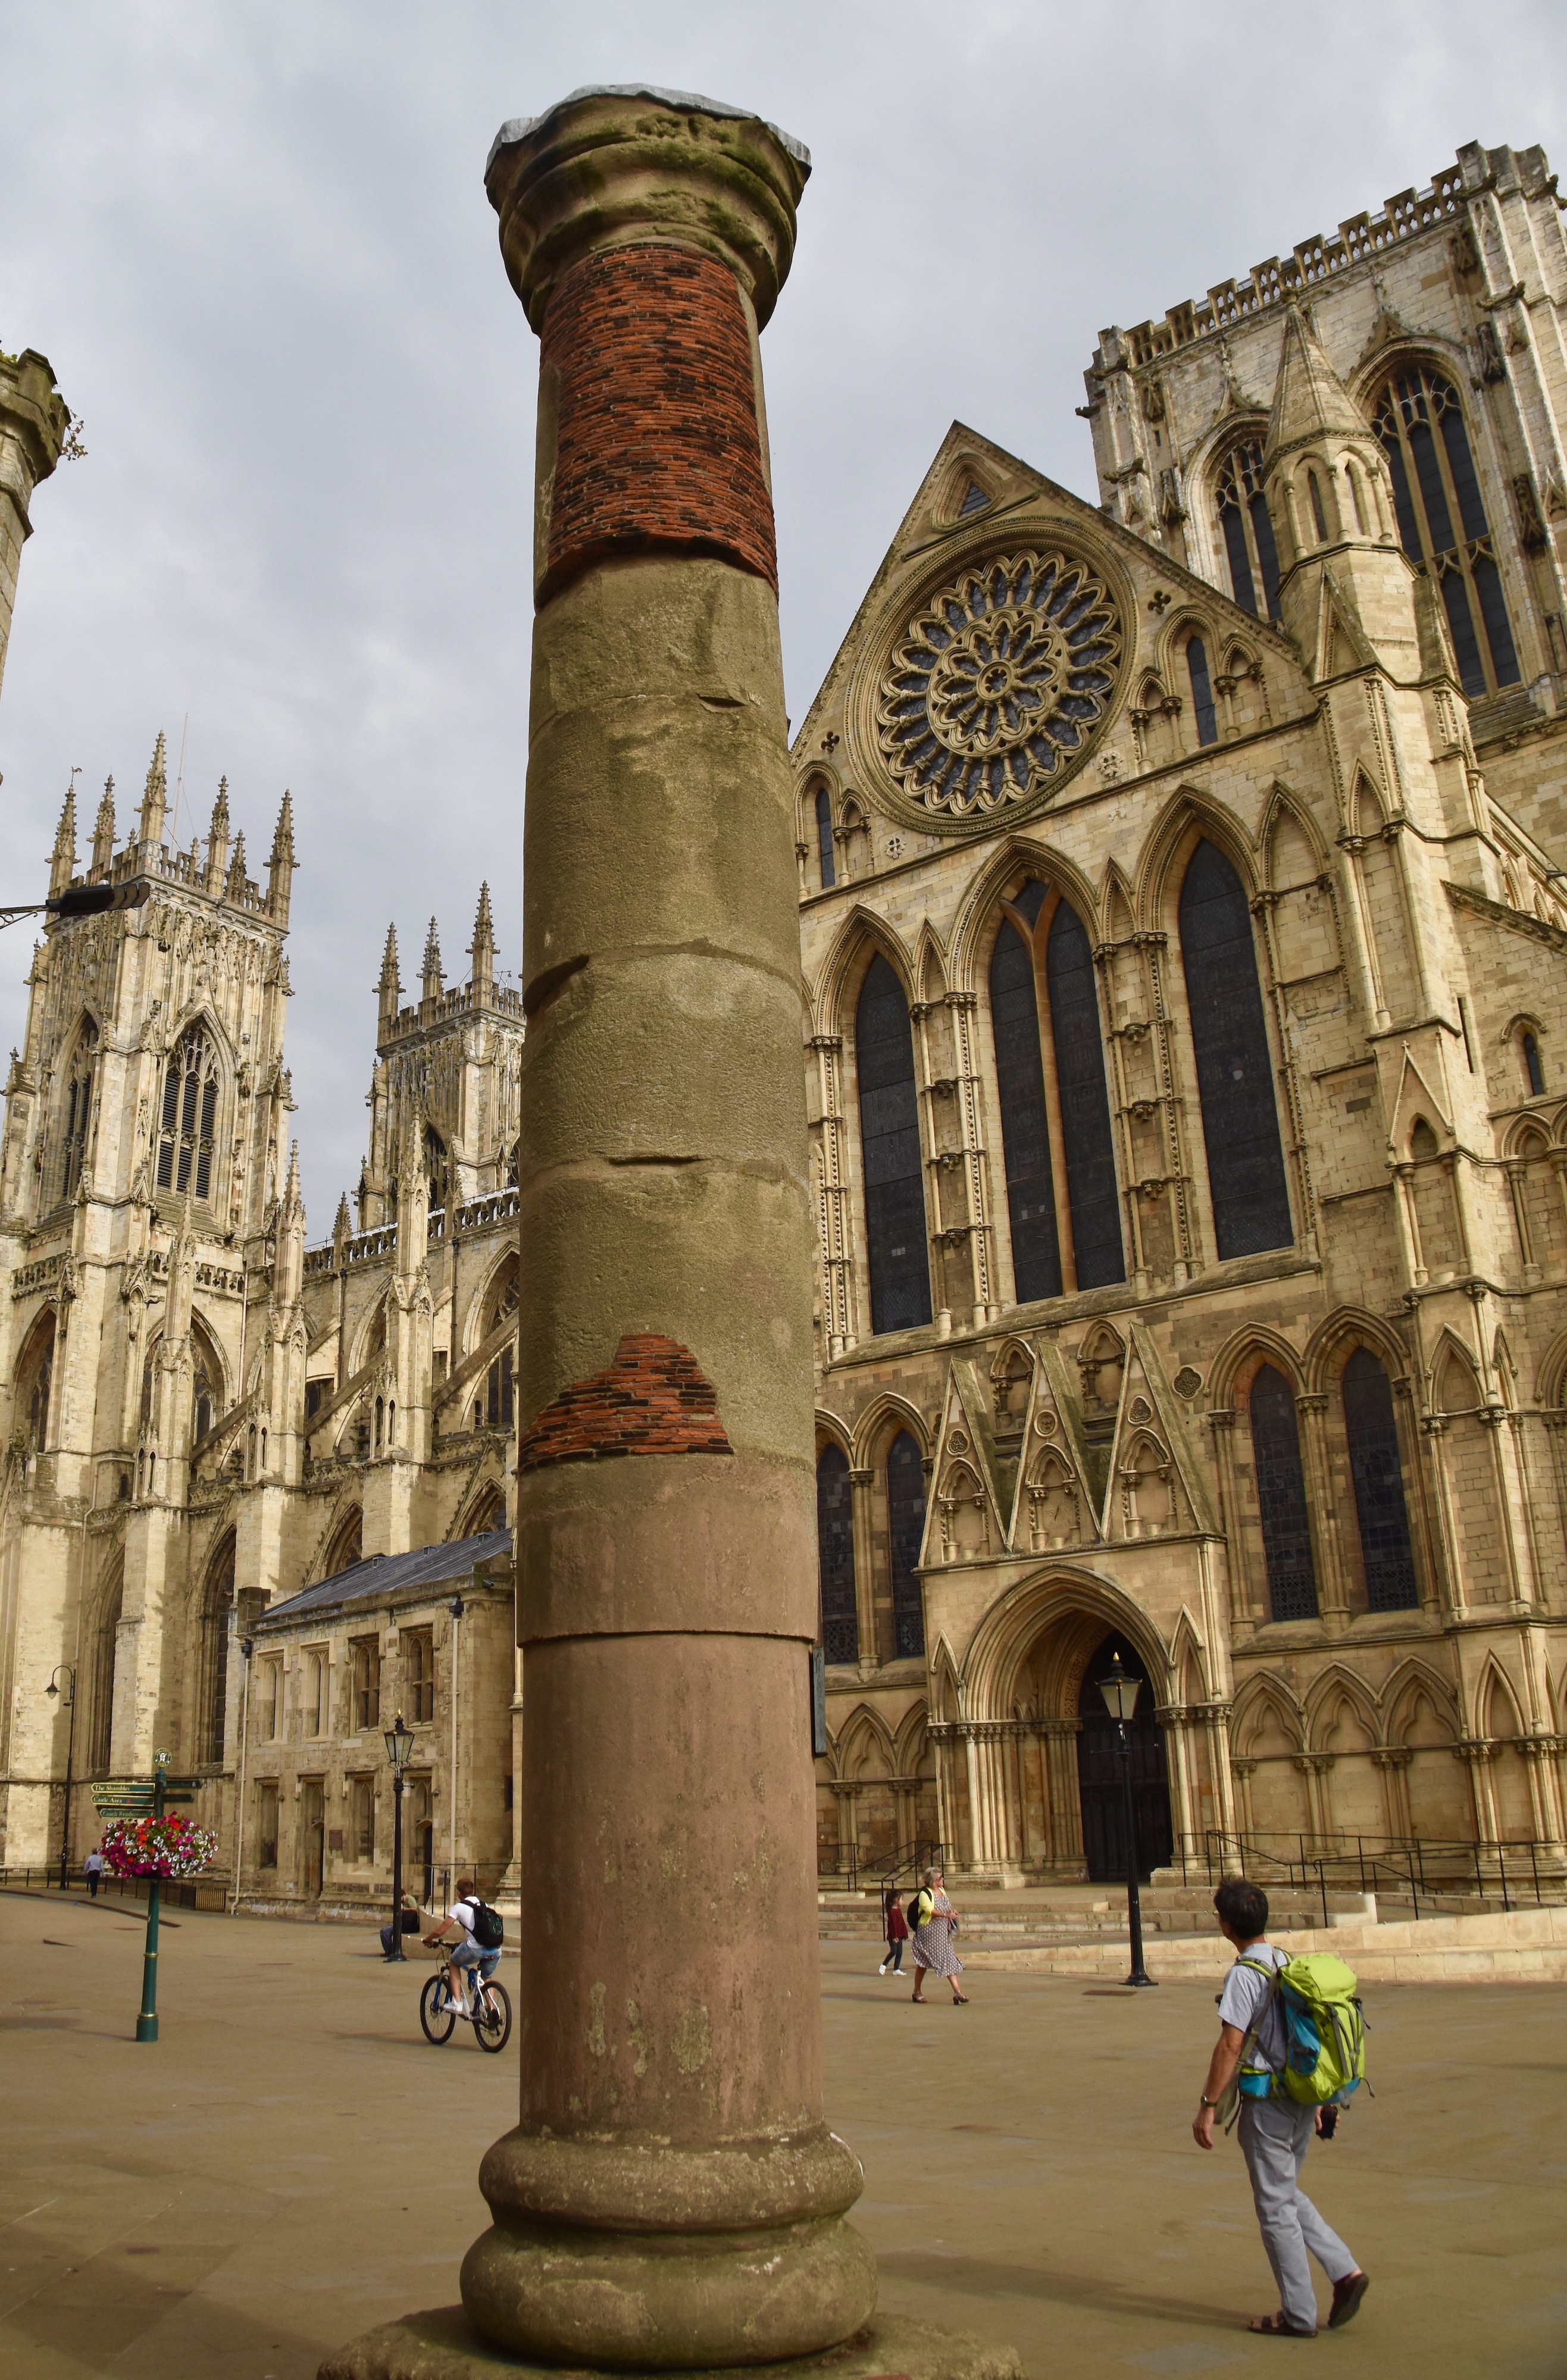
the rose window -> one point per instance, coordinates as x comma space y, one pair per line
999, 685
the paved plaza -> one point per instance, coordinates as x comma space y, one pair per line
291, 2162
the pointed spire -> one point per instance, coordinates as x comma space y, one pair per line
155, 795
235, 886
104, 828
1309, 399
342, 1223
283, 860
389, 990
62, 863
217, 839
481, 950
432, 980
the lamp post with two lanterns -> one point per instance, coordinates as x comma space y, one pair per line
399, 1744
1121, 1693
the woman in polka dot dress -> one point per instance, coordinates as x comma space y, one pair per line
933, 1952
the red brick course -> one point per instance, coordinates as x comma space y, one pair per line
657, 438
652, 1400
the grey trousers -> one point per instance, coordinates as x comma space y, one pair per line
1274, 2136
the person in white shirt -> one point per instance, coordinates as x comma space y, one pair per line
458, 1925
1275, 2131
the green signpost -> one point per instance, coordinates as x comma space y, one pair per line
135, 1799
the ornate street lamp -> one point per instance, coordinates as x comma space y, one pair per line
1121, 1693
65, 1670
399, 1745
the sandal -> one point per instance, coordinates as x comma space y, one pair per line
1275, 2326
1348, 2295
960, 1999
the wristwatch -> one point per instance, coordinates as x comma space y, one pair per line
1206, 2102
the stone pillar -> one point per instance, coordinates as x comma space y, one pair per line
34, 424
672, 2197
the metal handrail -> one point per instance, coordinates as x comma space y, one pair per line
1381, 1862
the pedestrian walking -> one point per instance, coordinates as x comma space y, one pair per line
895, 1927
1275, 2133
92, 1869
936, 1923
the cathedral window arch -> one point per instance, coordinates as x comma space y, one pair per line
1234, 1069
835, 1555
495, 1407
1526, 1041
35, 1378
75, 1106
1441, 519
1376, 1471
345, 1549
905, 1530
1247, 529
1280, 1497
188, 1119
1202, 690
217, 1614
1062, 1199
206, 1383
897, 1246
437, 1169
821, 821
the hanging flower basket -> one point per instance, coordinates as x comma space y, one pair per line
169, 1846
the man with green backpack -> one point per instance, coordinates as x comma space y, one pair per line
1290, 2050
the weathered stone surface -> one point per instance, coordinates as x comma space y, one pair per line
442, 2346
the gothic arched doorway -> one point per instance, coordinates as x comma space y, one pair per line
1100, 1787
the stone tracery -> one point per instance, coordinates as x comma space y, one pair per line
997, 687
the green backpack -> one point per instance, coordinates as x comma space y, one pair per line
1324, 2030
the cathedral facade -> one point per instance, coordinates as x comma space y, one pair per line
205, 1418
1187, 956
1184, 959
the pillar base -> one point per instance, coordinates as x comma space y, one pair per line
443, 2345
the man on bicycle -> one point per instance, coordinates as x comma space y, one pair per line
460, 1920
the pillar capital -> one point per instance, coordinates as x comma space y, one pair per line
625, 163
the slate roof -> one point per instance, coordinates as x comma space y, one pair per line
387, 1574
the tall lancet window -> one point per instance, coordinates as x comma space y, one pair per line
835, 1555
189, 1115
78, 1108
1240, 1123
889, 1126
1248, 532
824, 838
1441, 521
906, 1529
1281, 1498
1062, 1196
1372, 1432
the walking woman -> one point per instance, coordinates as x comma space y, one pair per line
933, 1952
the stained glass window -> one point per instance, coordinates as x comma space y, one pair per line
1532, 1066
895, 1186
1091, 1189
1240, 1123
1248, 532
1202, 690
905, 1514
1379, 1485
1281, 1498
824, 838
1030, 1187
835, 1556
1441, 521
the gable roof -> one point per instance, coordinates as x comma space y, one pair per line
387, 1574
908, 546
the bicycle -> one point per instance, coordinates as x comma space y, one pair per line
492, 2009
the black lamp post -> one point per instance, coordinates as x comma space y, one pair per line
399, 1744
1121, 1693
64, 1670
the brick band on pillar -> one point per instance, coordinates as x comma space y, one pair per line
657, 441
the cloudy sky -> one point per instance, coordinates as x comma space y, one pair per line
253, 242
